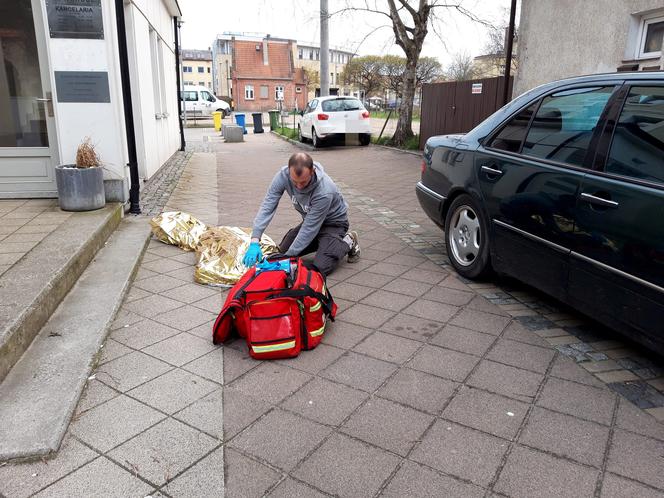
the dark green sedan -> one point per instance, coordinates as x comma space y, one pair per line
563, 189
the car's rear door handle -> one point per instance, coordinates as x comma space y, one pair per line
598, 201
491, 171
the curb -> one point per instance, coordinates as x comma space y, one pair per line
396, 149
46, 274
294, 142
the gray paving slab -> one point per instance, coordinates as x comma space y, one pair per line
206, 478
388, 347
280, 438
347, 468
325, 402
260, 381
506, 380
163, 451
445, 363
416, 481
388, 425
108, 425
637, 457
290, 488
583, 401
359, 371
465, 453
486, 412
419, 390
246, 477
100, 477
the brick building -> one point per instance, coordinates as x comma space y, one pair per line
264, 73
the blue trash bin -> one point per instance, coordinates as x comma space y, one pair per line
239, 119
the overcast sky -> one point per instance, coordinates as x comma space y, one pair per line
299, 20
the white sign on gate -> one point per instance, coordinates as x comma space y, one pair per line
477, 88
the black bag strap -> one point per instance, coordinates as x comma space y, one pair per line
307, 291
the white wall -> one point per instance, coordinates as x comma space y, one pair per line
158, 137
102, 122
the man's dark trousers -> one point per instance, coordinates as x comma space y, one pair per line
328, 245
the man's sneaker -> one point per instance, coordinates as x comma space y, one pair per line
354, 253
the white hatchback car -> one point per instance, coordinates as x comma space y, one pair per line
326, 117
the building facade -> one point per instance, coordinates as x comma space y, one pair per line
563, 38
264, 75
308, 58
222, 64
197, 68
61, 82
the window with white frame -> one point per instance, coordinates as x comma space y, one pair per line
651, 36
157, 68
299, 53
249, 92
187, 69
279, 92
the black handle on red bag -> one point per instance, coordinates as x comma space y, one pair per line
307, 291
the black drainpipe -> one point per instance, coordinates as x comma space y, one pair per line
134, 189
176, 27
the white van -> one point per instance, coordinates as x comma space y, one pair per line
199, 101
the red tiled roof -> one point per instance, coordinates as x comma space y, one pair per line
249, 62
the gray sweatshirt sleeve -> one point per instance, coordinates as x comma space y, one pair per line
311, 225
269, 205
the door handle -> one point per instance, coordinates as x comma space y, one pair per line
491, 171
599, 201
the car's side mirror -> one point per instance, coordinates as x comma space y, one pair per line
301, 113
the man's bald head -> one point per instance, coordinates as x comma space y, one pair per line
299, 161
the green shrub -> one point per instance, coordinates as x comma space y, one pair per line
287, 132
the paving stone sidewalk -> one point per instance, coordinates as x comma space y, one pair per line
426, 385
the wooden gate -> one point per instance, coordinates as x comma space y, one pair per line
459, 106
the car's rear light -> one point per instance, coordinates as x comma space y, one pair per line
365, 114
424, 166
323, 117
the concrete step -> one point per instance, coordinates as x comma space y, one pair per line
32, 289
39, 395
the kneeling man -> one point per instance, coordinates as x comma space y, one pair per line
324, 227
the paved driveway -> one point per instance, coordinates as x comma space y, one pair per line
426, 385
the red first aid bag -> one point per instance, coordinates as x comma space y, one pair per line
278, 313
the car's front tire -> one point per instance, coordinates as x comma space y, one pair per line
300, 137
365, 139
467, 238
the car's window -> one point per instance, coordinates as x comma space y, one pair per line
342, 104
190, 96
207, 96
637, 150
512, 134
564, 124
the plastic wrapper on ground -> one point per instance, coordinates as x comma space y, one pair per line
220, 254
179, 229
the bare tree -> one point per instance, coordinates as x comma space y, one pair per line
366, 73
410, 21
494, 50
312, 79
461, 68
394, 68
428, 69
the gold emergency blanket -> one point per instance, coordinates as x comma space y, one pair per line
219, 250
179, 229
220, 255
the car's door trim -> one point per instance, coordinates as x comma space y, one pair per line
616, 271
427, 190
529, 235
593, 199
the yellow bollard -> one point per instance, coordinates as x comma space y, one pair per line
217, 120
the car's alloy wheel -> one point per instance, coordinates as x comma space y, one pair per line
466, 237
299, 134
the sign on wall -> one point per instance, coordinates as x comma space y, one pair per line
476, 88
82, 86
75, 19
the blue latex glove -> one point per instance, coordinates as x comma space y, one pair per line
253, 255
283, 265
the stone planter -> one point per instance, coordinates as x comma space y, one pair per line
80, 189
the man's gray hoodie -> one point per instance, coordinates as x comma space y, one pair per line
320, 203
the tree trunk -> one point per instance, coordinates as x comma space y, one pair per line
404, 129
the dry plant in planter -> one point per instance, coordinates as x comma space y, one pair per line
86, 155
81, 185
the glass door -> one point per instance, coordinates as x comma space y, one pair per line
27, 141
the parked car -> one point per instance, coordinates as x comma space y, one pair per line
563, 188
199, 101
327, 117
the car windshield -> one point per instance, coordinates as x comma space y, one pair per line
340, 105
